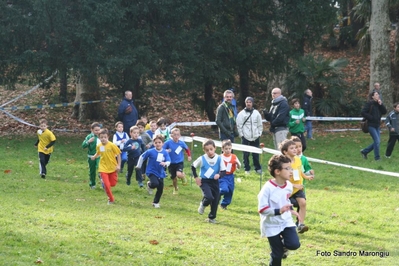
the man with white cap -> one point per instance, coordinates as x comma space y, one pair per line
250, 127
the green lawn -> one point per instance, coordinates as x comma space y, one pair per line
60, 221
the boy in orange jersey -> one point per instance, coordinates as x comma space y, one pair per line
108, 167
288, 148
226, 184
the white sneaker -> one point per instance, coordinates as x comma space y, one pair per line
148, 188
201, 208
175, 191
259, 171
212, 221
247, 172
156, 205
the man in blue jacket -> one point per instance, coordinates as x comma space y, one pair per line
127, 112
278, 116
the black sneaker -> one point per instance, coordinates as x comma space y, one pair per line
302, 228
285, 254
43, 176
224, 207
364, 155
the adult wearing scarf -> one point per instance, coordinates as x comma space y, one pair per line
278, 116
225, 119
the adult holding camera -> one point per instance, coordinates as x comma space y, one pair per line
278, 116
127, 112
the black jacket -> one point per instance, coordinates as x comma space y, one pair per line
279, 114
307, 105
373, 116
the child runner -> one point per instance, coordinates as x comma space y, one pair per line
91, 141
162, 128
296, 125
153, 128
134, 148
119, 139
288, 148
226, 183
275, 210
306, 168
147, 140
44, 144
211, 169
144, 119
175, 148
108, 166
158, 160
392, 122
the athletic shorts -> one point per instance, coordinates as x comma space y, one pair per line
174, 168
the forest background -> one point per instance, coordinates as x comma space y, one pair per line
179, 56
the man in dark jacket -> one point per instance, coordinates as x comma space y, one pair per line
225, 119
127, 112
392, 122
278, 116
307, 107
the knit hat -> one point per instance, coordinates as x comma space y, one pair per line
249, 99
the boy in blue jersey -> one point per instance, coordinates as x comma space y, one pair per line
175, 148
157, 160
134, 148
119, 139
211, 169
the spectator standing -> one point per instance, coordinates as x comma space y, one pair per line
250, 127
377, 88
392, 122
225, 119
278, 116
127, 112
372, 112
233, 103
307, 107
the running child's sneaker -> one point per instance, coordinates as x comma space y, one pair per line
302, 228
201, 208
148, 188
156, 205
211, 221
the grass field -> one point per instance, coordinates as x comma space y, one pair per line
60, 221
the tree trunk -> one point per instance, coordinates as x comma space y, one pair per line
209, 103
132, 83
63, 85
243, 73
87, 90
380, 62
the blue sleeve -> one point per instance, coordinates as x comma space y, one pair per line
121, 110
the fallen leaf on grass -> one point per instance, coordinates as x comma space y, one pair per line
42, 200
334, 215
158, 217
80, 199
154, 242
353, 222
38, 261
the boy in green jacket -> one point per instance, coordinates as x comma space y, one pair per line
91, 141
296, 125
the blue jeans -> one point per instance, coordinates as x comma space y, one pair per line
223, 136
375, 134
308, 128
